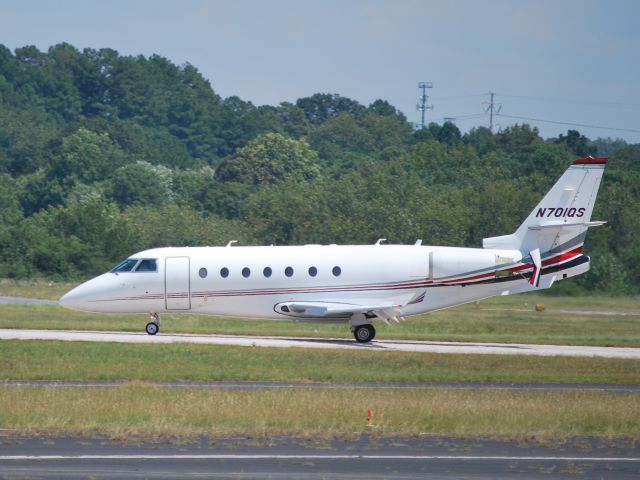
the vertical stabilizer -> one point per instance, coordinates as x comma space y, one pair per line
561, 219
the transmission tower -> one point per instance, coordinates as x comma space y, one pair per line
422, 106
492, 109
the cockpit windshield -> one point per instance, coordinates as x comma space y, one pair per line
147, 265
125, 266
137, 265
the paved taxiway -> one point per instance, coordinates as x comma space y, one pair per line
360, 457
287, 342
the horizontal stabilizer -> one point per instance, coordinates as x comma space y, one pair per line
559, 224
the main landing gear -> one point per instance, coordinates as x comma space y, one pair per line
153, 326
364, 333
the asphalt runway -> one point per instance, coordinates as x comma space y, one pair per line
360, 457
288, 342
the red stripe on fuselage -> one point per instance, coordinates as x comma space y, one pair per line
563, 257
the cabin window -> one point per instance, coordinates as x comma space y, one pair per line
125, 266
313, 271
147, 265
246, 272
336, 271
202, 272
288, 271
224, 272
267, 272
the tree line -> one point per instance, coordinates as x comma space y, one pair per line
103, 155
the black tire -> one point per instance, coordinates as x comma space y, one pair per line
152, 328
364, 333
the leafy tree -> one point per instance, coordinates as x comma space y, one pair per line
172, 225
627, 159
268, 159
68, 242
481, 139
26, 140
243, 122
87, 156
385, 109
200, 190
578, 144
389, 130
141, 183
322, 106
341, 142
38, 191
518, 139
294, 121
606, 147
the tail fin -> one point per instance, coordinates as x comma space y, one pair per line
560, 221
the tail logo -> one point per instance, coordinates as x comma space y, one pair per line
560, 212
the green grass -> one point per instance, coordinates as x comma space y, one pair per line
145, 410
46, 290
142, 410
36, 360
484, 322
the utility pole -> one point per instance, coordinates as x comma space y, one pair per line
422, 106
491, 108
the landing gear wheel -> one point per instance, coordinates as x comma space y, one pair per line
152, 328
364, 333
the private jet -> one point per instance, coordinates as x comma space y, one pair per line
358, 285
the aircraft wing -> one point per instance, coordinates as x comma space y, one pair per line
384, 311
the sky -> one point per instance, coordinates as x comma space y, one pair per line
573, 61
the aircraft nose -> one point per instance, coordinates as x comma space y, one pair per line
81, 297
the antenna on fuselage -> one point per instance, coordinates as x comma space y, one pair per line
380, 240
418, 242
231, 242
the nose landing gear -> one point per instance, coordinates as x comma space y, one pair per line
153, 326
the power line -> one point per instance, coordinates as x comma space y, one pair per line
601, 127
455, 97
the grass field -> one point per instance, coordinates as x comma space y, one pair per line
46, 290
35, 360
142, 410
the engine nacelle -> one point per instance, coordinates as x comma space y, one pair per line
449, 262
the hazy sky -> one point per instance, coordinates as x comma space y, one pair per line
572, 61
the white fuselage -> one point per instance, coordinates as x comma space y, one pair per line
414, 278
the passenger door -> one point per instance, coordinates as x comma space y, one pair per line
177, 285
